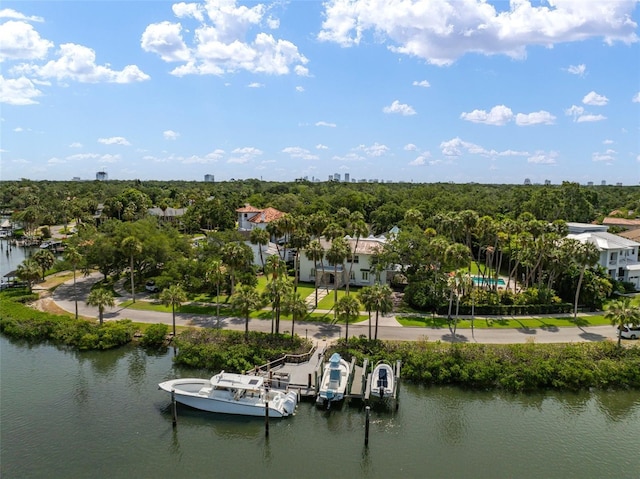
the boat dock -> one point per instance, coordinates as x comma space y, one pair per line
303, 374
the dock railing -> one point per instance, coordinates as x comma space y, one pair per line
287, 358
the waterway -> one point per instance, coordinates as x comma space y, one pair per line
69, 414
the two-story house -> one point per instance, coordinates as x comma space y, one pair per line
618, 255
362, 271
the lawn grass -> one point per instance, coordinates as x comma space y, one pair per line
504, 322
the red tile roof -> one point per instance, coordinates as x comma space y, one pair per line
247, 208
266, 216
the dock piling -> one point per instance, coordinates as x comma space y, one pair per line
366, 426
174, 407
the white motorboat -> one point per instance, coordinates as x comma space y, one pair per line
334, 380
231, 393
382, 381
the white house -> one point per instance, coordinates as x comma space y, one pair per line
617, 254
250, 217
361, 272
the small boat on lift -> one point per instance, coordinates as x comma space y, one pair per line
334, 380
230, 393
382, 381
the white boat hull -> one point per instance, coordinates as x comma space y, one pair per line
382, 382
199, 394
334, 380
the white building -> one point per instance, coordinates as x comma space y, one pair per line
618, 255
362, 273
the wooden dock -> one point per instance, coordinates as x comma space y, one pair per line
303, 374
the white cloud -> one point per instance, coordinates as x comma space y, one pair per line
592, 98
324, 123
498, 116
607, 142
423, 84
244, 155
535, 118
224, 42
18, 91
574, 111
75, 144
590, 118
170, 135
374, 150
579, 70
83, 156
20, 41
299, 89
300, 153
543, 158
410, 147
186, 10
456, 147
443, 31
607, 156
320, 146
165, 39
397, 107
636, 98
114, 140
9, 13
349, 157
420, 160
77, 62
255, 85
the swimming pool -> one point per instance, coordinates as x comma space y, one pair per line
479, 281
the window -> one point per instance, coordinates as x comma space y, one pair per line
614, 256
356, 259
352, 276
365, 276
313, 273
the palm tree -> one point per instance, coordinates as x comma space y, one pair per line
73, 256
174, 295
132, 247
235, 255
621, 313
355, 228
295, 306
368, 301
336, 255
260, 237
586, 255
215, 274
348, 308
382, 303
28, 271
245, 300
101, 298
315, 253
45, 259
276, 289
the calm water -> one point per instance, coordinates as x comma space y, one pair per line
79, 415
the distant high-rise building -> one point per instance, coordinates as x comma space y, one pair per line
527, 181
590, 183
547, 182
603, 183
209, 178
75, 178
336, 177
330, 177
346, 177
102, 176
618, 184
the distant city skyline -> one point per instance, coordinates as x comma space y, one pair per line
413, 91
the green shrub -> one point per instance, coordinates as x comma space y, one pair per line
155, 336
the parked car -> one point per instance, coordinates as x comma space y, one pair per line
151, 286
630, 332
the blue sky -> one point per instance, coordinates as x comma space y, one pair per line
396, 90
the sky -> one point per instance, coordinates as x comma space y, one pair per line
390, 90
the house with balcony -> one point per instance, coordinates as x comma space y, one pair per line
618, 255
360, 273
250, 217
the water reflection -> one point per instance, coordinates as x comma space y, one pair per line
619, 405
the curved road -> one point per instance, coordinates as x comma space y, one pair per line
388, 327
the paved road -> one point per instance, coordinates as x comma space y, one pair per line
388, 327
